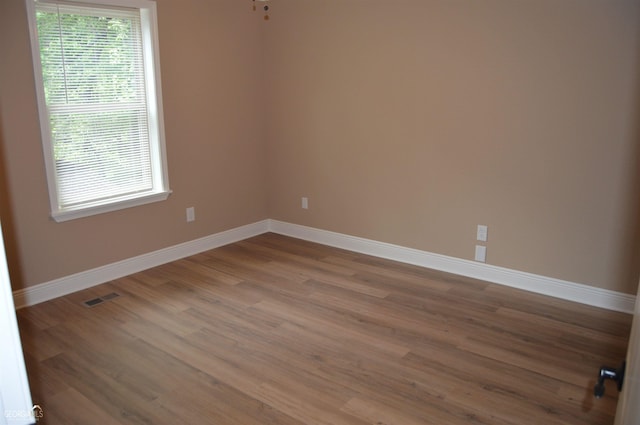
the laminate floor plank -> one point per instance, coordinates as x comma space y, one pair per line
279, 331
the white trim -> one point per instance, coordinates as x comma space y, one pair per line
566, 290
87, 279
15, 396
66, 215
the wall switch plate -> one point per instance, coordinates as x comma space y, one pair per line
482, 233
191, 214
481, 253
305, 203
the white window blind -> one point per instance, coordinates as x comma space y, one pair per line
104, 142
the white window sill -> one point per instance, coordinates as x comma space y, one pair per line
113, 205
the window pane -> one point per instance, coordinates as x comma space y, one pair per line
90, 59
100, 154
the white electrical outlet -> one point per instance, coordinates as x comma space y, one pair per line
191, 214
481, 253
482, 233
305, 203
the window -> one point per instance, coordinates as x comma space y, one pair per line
98, 86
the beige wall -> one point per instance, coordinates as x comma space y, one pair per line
412, 121
405, 121
213, 118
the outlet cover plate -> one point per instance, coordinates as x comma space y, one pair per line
191, 214
482, 233
481, 253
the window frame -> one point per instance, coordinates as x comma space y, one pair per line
155, 116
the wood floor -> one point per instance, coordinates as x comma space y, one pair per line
274, 330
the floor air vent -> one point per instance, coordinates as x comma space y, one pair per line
95, 301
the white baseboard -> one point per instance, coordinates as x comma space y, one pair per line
566, 290
571, 291
83, 280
